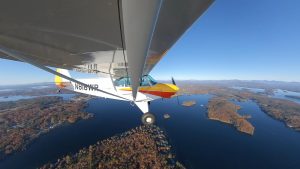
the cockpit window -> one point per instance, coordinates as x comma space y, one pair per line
123, 81
146, 80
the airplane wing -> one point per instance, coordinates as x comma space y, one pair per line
115, 37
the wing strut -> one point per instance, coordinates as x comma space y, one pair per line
139, 20
23, 58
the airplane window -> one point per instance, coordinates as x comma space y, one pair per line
123, 81
148, 81
145, 82
153, 82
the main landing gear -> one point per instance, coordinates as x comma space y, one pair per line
148, 118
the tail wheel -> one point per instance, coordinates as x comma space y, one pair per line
148, 118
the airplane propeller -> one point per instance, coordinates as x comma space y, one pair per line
173, 81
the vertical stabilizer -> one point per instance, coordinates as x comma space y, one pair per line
61, 82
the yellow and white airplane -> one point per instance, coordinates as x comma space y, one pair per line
119, 40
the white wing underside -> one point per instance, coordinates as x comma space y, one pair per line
114, 37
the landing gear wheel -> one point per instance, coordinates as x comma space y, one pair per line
148, 118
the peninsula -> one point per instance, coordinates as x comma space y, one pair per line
283, 110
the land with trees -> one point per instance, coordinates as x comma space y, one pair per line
221, 109
25, 120
142, 147
188, 103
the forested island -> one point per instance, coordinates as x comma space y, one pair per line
142, 147
24, 120
188, 103
223, 110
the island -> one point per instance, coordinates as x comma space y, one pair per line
142, 147
225, 111
25, 120
166, 116
188, 103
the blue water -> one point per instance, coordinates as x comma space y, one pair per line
197, 141
278, 93
254, 90
282, 94
203, 143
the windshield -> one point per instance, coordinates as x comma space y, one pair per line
123, 81
146, 80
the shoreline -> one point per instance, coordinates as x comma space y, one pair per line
222, 110
20, 132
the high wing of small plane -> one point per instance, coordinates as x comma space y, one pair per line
119, 40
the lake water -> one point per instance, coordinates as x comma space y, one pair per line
197, 141
282, 94
278, 93
254, 90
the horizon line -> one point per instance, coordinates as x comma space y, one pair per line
32, 83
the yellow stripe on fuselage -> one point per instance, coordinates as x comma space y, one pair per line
159, 87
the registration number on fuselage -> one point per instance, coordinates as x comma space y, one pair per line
89, 87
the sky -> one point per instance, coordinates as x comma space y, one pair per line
233, 39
